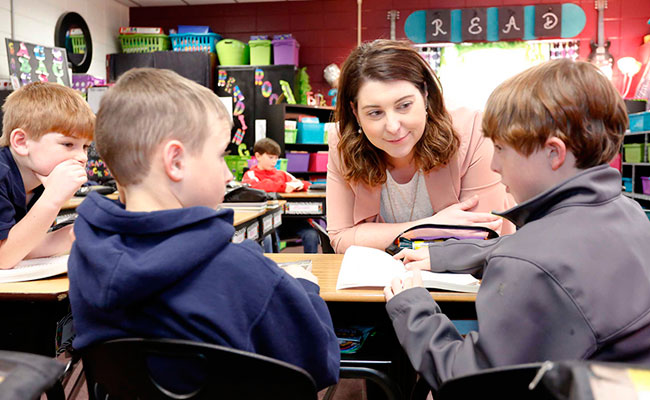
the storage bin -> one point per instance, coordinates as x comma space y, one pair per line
633, 152
645, 184
280, 165
236, 164
78, 44
232, 52
141, 43
290, 136
627, 184
297, 162
640, 122
318, 162
260, 52
311, 132
285, 51
195, 41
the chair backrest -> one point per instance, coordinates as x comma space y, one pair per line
510, 382
325, 243
136, 368
27, 376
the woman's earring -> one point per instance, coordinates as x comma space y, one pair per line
360, 130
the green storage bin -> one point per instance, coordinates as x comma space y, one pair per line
141, 43
236, 164
78, 44
233, 52
633, 152
290, 136
260, 52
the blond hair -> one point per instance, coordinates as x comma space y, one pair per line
561, 98
385, 61
145, 107
39, 108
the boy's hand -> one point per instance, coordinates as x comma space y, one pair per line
293, 186
299, 272
398, 285
64, 180
457, 214
414, 259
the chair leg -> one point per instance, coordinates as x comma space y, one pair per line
331, 391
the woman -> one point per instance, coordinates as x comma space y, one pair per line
396, 140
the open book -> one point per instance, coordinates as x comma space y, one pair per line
36, 268
368, 267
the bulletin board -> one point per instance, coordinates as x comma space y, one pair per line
30, 62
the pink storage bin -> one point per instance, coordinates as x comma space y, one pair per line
318, 162
645, 184
285, 51
297, 162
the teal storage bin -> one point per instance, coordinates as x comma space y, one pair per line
640, 122
627, 184
195, 41
311, 132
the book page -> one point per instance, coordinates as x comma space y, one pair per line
36, 268
368, 267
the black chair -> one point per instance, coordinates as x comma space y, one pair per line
136, 368
386, 385
27, 376
325, 243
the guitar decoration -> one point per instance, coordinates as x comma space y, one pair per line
392, 16
599, 55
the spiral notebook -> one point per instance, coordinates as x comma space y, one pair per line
36, 268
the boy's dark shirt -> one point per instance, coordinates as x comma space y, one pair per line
12, 193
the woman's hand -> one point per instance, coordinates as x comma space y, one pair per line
414, 259
399, 285
457, 214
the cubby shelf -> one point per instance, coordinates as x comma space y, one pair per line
635, 170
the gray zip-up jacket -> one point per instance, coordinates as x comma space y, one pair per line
572, 283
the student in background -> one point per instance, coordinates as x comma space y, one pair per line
573, 282
399, 158
266, 177
162, 264
46, 131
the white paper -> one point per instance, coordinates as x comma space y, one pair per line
368, 267
36, 268
260, 129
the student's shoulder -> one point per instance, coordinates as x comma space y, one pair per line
6, 163
248, 255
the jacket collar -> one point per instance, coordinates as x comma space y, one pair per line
591, 186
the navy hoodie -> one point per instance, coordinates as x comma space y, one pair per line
175, 274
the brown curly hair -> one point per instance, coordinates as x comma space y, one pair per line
389, 60
570, 100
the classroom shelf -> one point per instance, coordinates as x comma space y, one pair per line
635, 170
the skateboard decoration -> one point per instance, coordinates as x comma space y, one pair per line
495, 23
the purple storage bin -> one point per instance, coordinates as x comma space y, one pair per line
285, 51
297, 162
645, 184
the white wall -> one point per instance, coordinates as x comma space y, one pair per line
34, 22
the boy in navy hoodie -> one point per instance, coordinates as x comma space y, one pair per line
161, 264
47, 129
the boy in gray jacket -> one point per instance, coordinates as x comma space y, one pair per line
573, 282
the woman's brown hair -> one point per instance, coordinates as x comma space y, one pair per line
388, 60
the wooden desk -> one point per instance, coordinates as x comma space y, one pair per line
76, 200
367, 307
326, 267
32, 313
